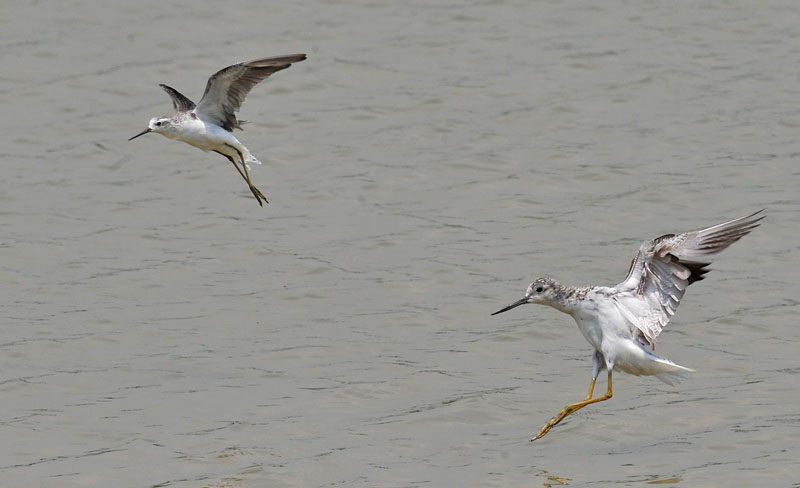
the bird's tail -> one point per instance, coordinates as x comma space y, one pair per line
671, 373
250, 159
639, 361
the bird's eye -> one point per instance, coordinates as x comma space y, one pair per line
539, 289
158, 123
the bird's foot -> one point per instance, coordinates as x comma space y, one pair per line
568, 410
546, 428
259, 196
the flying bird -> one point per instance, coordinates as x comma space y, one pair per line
209, 124
622, 322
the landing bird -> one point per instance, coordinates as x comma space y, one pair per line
623, 321
209, 124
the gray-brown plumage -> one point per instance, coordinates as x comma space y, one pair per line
179, 101
228, 87
666, 265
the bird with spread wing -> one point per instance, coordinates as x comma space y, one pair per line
622, 322
209, 124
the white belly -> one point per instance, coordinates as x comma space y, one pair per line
207, 137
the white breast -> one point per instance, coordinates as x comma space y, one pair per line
208, 137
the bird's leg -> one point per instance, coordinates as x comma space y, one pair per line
235, 165
246, 177
256, 192
574, 407
591, 389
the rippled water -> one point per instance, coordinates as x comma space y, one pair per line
423, 165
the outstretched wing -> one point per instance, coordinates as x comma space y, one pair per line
665, 266
179, 101
228, 87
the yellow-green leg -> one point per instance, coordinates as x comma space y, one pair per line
255, 191
574, 407
591, 389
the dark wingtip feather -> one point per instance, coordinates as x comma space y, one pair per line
731, 232
275, 61
697, 270
180, 102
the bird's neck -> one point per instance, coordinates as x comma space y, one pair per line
568, 299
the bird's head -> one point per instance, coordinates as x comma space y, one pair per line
542, 290
161, 125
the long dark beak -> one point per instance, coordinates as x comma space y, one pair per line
521, 301
141, 133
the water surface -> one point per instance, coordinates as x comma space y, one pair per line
423, 165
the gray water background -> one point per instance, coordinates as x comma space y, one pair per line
425, 163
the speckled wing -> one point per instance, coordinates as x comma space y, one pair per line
665, 266
228, 87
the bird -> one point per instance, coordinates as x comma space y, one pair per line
209, 124
622, 322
